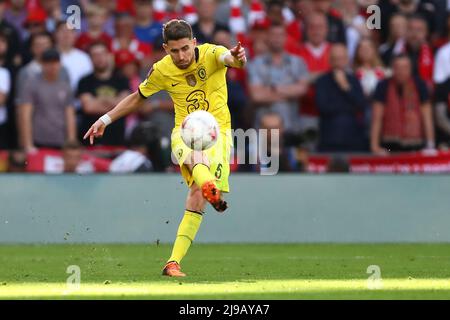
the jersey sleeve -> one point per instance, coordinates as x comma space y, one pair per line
219, 54
152, 83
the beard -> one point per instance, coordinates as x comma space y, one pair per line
185, 66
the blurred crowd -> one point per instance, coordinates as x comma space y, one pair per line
332, 76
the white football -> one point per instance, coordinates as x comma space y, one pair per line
199, 130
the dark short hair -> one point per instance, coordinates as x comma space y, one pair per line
50, 55
176, 29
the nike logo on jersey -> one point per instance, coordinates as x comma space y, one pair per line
175, 84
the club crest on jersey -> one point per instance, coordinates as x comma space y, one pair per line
190, 79
201, 72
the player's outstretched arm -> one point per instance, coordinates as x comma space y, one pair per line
128, 105
236, 57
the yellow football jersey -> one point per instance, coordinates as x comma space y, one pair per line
202, 86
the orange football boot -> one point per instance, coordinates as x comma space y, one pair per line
172, 269
213, 195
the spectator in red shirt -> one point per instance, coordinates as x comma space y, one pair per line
316, 49
316, 54
402, 118
96, 18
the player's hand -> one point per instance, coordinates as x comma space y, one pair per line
238, 52
95, 131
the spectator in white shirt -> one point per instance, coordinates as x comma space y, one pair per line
76, 62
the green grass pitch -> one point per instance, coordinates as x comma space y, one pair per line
227, 271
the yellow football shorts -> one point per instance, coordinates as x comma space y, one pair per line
218, 157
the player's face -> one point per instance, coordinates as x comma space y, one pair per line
181, 51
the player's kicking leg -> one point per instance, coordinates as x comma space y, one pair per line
204, 189
193, 216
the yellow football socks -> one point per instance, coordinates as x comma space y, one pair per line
186, 234
201, 174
